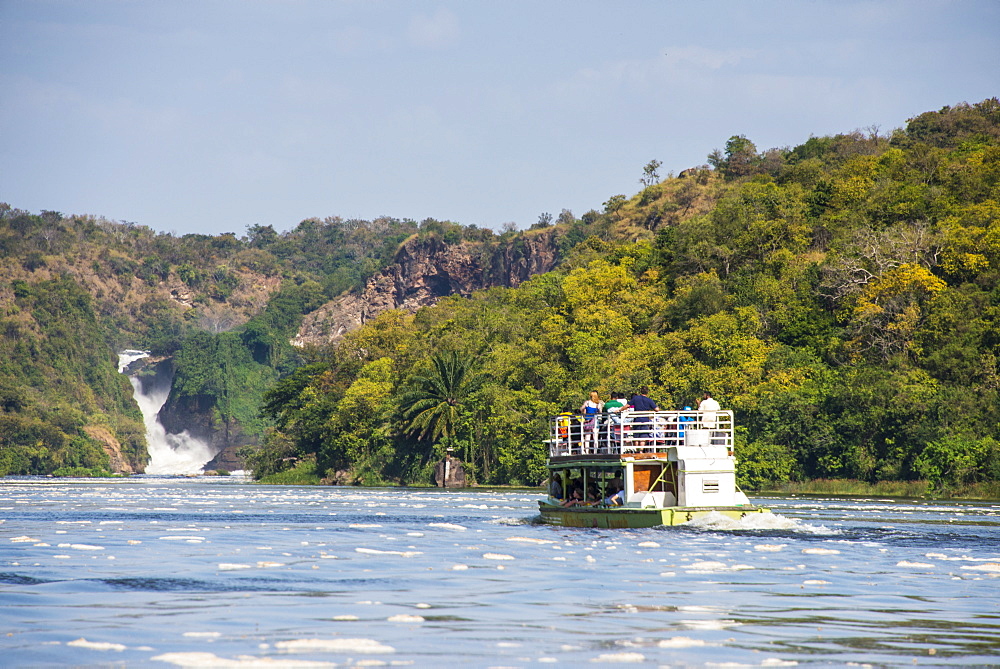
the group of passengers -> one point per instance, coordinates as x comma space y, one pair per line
601, 427
574, 494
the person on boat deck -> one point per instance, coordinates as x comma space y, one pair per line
616, 499
563, 422
575, 498
641, 402
616, 493
708, 406
556, 487
590, 409
682, 423
614, 407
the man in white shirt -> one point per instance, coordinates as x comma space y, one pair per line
708, 406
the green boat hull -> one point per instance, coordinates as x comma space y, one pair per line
622, 517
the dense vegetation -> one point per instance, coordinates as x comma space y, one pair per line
57, 379
77, 289
841, 296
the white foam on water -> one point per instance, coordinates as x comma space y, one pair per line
233, 566
405, 618
335, 646
375, 551
619, 658
914, 565
769, 548
82, 547
820, 551
681, 642
448, 526
709, 624
95, 645
346, 618
757, 521
648, 544
530, 540
202, 660
513, 521
363, 525
23, 540
815, 581
700, 609
497, 556
778, 662
992, 567
267, 564
709, 566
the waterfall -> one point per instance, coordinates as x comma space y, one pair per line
168, 453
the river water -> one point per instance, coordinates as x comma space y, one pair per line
218, 572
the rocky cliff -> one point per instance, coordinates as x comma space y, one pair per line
424, 270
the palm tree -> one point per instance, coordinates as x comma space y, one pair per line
432, 406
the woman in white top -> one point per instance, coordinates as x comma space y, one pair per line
590, 409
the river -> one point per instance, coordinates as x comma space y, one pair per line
215, 572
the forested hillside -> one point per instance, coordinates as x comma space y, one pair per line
841, 296
75, 290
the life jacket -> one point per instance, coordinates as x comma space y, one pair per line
562, 424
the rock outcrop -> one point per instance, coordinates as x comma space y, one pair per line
426, 269
199, 418
117, 460
450, 473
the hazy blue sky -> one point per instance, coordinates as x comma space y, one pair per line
211, 116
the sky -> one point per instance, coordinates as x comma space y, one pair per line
213, 116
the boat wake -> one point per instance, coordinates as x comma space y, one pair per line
759, 522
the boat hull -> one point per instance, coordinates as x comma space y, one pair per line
624, 517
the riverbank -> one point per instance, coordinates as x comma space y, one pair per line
989, 490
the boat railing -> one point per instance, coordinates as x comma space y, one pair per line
624, 432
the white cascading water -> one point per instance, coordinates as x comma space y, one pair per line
177, 454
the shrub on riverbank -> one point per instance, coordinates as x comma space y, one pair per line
989, 490
303, 473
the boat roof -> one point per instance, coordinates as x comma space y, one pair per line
604, 459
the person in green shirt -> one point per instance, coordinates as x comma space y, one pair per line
614, 407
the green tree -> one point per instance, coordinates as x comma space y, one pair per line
650, 175
432, 407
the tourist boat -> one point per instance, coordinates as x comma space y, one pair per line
642, 469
